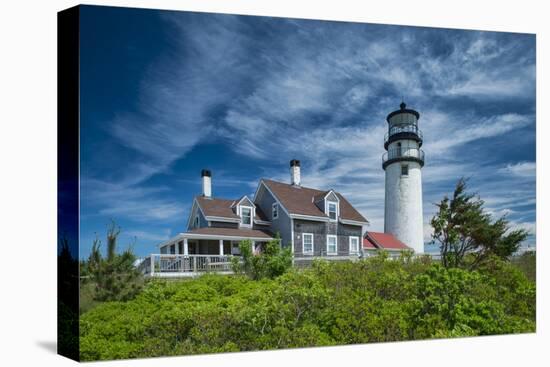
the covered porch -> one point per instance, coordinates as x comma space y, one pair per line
198, 251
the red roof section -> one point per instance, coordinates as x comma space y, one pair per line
368, 245
381, 240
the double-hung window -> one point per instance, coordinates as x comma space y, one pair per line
353, 245
308, 243
246, 216
332, 244
332, 210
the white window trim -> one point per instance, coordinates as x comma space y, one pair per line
312, 243
238, 203
350, 239
275, 208
336, 239
337, 210
251, 216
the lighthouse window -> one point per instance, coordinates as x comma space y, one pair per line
404, 170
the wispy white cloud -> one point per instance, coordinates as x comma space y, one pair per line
521, 169
117, 201
157, 236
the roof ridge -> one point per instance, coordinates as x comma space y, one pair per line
287, 184
212, 198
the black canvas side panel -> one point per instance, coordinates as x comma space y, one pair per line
68, 182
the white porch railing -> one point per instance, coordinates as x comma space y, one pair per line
170, 264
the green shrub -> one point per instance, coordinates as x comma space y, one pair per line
272, 261
331, 303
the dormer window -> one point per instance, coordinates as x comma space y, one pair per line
275, 211
332, 208
246, 216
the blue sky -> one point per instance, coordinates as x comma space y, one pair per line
165, 94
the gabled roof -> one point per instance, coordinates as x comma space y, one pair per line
239, 200
213, 207
301, 200
323, 195
385, 241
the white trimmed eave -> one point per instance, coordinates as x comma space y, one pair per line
222, 219
195, 202
170, 241
262, 222
309, 217
194, 236
329, 192
199, 236
354, 222
239, 202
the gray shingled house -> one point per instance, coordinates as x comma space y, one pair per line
312, 222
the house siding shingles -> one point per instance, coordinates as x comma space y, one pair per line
320, 231
345, 231
224, 224
332, 228
202, 220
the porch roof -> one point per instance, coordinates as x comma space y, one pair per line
229, 232
213, 233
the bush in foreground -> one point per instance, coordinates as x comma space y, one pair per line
373, 300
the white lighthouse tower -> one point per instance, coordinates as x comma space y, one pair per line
403, 164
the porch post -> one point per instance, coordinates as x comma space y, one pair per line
185, 247
152, 264
253, 246
177, 248
221, 247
